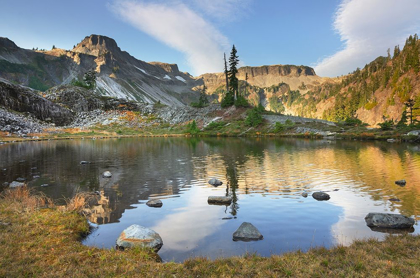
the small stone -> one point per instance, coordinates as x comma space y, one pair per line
36, 177
155, 203
44, 185
107, 174
304, 194
34, 168
388, 220
84, 162
16, 184
215, 182
395, 200
225, 200
20, 179
320, 196
247, 232
400, 182
137, 235
336, 189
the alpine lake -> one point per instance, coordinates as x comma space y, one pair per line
264, 176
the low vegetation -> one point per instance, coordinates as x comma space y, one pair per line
42, 239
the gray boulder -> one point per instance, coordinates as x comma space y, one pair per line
107, 174
304, 194
156, 203
388, 220
224, 200
414, 133
140, 236
247, 232
16, 184
401, 182
320, 196
215, 182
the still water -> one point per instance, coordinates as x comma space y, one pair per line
265, 177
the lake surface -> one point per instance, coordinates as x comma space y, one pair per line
265, 177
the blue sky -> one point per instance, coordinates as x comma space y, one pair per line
333, 36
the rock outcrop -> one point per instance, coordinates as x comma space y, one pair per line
23, 99
247, 232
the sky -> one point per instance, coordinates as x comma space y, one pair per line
333, 36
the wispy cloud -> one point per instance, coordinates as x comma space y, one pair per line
368, 28
180, 27
223, 10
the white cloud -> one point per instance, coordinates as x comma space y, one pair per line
179, 27
223, 10
368, 28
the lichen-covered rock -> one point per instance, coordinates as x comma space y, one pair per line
388, 220
156, 203
247, 232
320, 196
224, 200
140, 236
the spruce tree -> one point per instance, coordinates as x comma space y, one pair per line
233, 70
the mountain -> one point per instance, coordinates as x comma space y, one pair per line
118, 73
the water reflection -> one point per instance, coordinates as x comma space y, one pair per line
265, 178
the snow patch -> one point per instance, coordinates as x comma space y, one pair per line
168, 77
142, 70
181, 79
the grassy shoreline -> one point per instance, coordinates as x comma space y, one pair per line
40, 239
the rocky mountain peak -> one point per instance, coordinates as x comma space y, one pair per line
277, 70
97, 45
172, 68
5, 43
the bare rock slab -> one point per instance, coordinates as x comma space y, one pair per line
222, 200
215, 182
156, 203
247, 232
389, 221
320, 196
140, 236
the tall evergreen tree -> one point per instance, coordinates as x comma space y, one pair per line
233, 70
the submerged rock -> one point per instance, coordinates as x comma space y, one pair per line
320, 196
20, 179
215, 182
225, 200
304, 194
395, 200
400, 182
16, 184
156, 203
247, 232
137, 235
107, 174
389, 221
84, 162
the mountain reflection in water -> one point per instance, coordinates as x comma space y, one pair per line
264, 176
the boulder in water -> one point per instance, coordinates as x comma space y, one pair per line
107, 174
320, 196
137, 235
156, 203
215, 182
247, 232
388, 220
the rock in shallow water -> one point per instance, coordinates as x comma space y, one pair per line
107, 174
16, 184
215, 182
388, 220
400, 182
304, 194
156, 203
137, 235
247, 232
225, 200
320, 196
